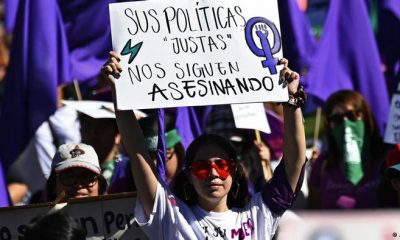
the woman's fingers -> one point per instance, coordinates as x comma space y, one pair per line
283, 61
112, 68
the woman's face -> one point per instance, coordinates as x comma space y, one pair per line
211, 176
77, 183
343, 112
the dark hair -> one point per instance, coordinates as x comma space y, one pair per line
387, 196
238, 195
54, 226
51, 191
350, 97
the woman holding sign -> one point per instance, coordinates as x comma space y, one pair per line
209, 204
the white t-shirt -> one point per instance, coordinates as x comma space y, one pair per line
173, 219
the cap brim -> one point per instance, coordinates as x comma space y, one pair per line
77, 164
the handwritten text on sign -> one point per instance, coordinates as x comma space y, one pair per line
187, 53
392, 132
250, 116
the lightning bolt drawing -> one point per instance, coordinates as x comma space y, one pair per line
133, 51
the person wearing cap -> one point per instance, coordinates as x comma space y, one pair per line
212, 181
75, 173
122, 180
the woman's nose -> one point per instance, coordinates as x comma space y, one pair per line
213, 172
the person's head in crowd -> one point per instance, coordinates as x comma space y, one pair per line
175, 151
348, 115
346, 174
249, 157
389, 194
101, 133
54, 226
212, 160
75, 172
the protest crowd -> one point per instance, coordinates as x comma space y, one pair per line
67, 136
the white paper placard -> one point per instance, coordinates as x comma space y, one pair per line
392, 131
97, 109
188, 53
250, 116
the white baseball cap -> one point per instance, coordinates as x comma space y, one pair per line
76, 155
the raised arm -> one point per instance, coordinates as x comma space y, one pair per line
294, 142
142, 166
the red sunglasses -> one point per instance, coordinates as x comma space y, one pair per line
201, 168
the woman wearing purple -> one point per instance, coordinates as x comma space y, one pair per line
347, 174
209, 204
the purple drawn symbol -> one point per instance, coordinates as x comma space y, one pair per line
261, 26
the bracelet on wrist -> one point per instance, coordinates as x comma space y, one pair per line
297, 99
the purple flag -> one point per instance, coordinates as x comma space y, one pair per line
10, 14
4, 197
297, 38
389, 39
188, 124
274, 140
347, 58
161, 146
87, 27
38, 64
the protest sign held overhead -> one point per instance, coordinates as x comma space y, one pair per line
250, 116
193, 53
392, 131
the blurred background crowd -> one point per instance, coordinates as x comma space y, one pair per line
347, 51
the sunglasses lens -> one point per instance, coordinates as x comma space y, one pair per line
223, 167
338, 118
351, 115
200, 169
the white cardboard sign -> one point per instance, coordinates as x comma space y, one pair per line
392, 131
189, 53
250, 116
104, 217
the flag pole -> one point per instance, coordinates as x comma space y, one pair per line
258, 137
77, 90
264, 163
316, 127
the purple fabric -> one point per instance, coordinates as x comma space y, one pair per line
161, 146
187, 124
51, 45
297, 38
274, 140
336, 192
38, 64
388, 39
4, 197
122, 179
88, 44
347, 58
393, 6
10, 14
278, 194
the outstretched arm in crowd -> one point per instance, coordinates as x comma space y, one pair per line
294, 143
281, 191
142, 166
